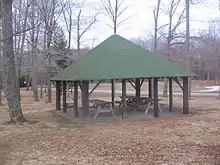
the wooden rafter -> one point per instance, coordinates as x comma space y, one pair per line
142, 81
132, 83
177, 81
95, 87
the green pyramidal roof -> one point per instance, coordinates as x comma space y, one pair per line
116, 58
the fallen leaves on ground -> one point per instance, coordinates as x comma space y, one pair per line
192, 139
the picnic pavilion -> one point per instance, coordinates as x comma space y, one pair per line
117, 58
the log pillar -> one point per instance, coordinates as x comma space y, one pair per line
185, 95
170, 94
85, 97
58, 95
156, 108
138, 87
64, 96
75, 84
150, 87
123, 99
113, 93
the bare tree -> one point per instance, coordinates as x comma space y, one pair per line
156, 17
83, 26
11, 93
187, 5
172, 34
114, 10
1, 67
34, 41
50, 11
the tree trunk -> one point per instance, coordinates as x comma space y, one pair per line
187, 3
41, 85
45, 83
34, 85
49, 94
1, 70
11, 93
1, 78
165, 88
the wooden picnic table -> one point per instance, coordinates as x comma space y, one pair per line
139, 102
101, 106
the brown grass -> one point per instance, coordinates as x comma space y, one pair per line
50, 139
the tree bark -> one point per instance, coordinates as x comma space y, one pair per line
165, 88
41, 85
1, 70
11, 93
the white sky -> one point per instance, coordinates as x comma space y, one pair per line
141, 21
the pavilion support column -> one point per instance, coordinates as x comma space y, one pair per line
156, 108
150, 87
85, 97
64, 96
123, 115
113, 93
138, 87
185, 95
58, 95
75, 84
170, 94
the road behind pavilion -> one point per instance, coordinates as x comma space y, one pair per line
50, 139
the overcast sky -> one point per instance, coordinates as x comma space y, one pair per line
141, 21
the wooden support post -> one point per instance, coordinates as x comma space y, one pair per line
113, 93
85, 97
170, 94
58, 95
150, 87
75, 84
156, 108
123, 99
64, 96
185, 95
138, 87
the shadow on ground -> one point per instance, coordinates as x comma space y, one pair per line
68, 118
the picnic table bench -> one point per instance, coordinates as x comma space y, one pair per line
101, 106
139, 103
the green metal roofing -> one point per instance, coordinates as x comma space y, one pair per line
116, 58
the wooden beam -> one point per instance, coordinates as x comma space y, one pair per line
131, 82
150, 88
142, 81
123, 99
170, 94
64, 96
95, 87
177, 81
185, 95
156, 108
85, 97
58, 95
76, 110
113, 93
138, 87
